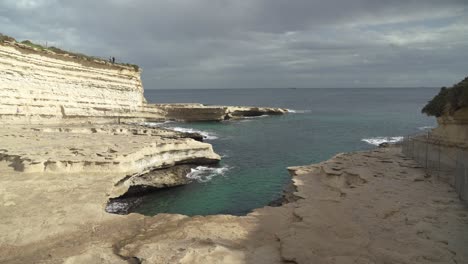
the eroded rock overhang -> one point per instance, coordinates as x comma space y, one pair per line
142, 156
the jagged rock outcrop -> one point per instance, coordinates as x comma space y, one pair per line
156, 179
243, 111
130, 190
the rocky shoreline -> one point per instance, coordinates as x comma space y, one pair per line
366, 207
149, 158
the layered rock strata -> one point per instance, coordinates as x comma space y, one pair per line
133, 151
39, 87
42, 87
366, 207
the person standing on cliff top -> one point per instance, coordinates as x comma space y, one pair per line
113, 60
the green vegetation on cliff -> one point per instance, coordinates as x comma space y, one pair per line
33, 45
55, 50
5, 38
448, 100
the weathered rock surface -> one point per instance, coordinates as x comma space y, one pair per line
37, 87
355, 208
157, 179
30, 150
200, 112
139, 153
134, 187
242, 111
452, 130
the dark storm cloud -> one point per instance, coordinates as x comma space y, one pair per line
258, 43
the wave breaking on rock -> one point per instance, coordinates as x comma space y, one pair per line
205, 174
379, 140
206, 135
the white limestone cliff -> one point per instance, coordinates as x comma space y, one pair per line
43, 87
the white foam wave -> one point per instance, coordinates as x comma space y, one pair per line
253, 117
205, 174
425, 128
154, 124
298, 111
379, 140
205, 135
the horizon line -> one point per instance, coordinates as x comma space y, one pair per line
296, 88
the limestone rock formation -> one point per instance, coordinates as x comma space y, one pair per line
38, 87
156, 179
453, 129
200, 112
42, 87
144, 156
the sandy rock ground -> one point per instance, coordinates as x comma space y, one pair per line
365, 207
116, 148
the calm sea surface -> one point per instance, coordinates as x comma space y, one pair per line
257, 151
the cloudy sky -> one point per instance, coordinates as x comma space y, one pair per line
258, 43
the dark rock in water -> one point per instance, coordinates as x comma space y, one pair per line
384, 145
277, 202
141, 184
287, 196
193, 135
156, 179
200, 112
123, 206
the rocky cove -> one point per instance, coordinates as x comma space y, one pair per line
91, 105
73, 137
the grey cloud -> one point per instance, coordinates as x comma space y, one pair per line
258, 43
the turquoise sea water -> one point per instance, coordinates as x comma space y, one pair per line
257, 151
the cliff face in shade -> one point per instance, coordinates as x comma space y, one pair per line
453, 129
43, 87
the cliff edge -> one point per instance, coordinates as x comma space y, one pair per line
450, 107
